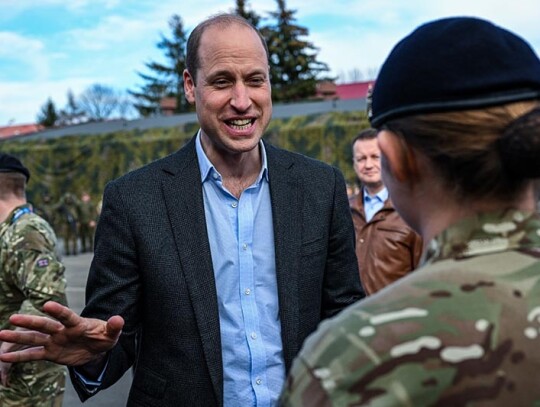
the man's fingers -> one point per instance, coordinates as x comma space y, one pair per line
62, 313
26, 355
114, 326
28, 338
35, 323
4, 369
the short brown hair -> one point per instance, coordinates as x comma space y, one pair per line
366, 134
224, 20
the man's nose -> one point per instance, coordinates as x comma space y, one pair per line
240, 98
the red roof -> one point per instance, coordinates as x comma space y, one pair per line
19, 130
356, 90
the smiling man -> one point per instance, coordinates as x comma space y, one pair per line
386, 247
211, 265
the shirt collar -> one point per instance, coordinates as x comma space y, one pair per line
207, 167
382, 195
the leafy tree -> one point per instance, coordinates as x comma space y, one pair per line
294, 68
249, 15
48, 116
166, 79
99, 102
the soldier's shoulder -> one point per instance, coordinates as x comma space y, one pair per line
414, 329
33, 230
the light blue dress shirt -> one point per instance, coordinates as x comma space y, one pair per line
373, 204
241, 238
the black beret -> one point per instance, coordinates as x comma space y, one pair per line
9, 163
454, 64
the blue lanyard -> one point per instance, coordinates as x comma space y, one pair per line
20, 212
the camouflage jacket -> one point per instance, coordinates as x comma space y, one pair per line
30, 275
463, 330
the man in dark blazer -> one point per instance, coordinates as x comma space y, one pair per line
155, 289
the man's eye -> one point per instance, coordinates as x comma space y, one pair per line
221, 83
256, 81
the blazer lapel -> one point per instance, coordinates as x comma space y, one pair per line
182, 192
286, 195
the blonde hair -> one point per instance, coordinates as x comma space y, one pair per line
479, 153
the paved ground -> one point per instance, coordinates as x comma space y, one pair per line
115, 396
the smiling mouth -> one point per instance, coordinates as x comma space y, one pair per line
240, 124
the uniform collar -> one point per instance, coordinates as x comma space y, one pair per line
487, 233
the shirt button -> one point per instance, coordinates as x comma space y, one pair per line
247, 292
244, 246
253, 335
216, 176
258, 381
234, 204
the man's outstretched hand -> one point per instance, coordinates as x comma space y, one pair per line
68, 339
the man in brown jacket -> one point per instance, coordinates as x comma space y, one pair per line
386, 247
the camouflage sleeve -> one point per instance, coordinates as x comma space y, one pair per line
448, 338
302, 382
36, 271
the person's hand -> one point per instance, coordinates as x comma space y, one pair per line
4, 373
4, 366
68, 339
6, 347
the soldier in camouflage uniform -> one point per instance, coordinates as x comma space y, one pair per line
30, 275
87, 222
67, 220
460, 159
46, 210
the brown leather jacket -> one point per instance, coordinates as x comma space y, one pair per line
386, 247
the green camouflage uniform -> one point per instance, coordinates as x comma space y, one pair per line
30, 275
463, 330
87, 214
67, 222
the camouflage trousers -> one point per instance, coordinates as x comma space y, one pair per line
86, 233
70, 238
37, 391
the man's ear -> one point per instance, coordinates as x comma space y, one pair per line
401, 159
189, 87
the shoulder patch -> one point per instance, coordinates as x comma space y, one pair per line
43, 262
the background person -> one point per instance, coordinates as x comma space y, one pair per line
30, 275
87, 214
457, 106
67, 220
386, 247
219, 259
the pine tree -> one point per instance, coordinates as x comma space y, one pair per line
294, 68
249, 15
166, 79
48, 115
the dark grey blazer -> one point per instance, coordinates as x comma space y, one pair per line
152, 265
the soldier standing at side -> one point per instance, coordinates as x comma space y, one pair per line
30, 275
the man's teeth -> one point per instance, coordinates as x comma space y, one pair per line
240, 124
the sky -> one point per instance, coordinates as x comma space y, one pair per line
48, 47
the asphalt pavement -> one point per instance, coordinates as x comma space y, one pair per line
115, 396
